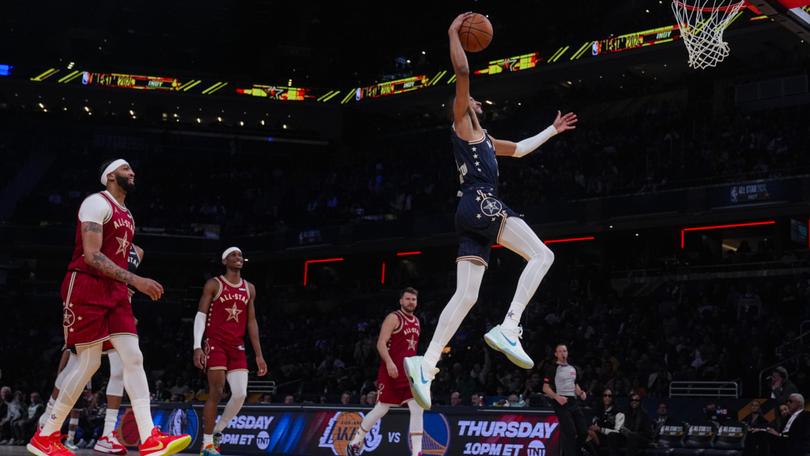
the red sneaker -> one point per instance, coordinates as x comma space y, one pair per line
160, 444
48, 445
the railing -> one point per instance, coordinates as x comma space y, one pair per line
262, 386
704, 389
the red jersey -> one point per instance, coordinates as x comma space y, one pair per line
227, 315
116, 241
402, 344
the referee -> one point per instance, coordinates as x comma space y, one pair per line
560, 384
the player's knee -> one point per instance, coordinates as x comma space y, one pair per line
238, 396
548, 255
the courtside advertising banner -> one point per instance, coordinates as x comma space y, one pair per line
269, 430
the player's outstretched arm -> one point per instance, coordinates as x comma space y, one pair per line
520, 149
91, 246
253, 332
388, 327
210, 290
461, 68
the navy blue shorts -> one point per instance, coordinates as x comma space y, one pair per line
480, 216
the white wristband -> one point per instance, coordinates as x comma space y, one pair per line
529, 145
199, 329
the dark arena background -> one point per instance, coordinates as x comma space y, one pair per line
315, 137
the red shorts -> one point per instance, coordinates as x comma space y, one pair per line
94, 309
222, 356
393, 391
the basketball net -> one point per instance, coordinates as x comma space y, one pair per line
702, 23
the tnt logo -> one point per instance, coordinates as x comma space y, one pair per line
262, 440
536, 448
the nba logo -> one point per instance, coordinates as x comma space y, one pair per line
536, 448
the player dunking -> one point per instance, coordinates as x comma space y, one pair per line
108, 442
97, 308
399, 336
481, 219
226, 309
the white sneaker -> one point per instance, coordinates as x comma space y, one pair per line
420, 379
109, 445
71, 446
507, 341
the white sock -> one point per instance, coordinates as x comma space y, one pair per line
47, 412
110, 418
72, 425
237, 380
468, 281
415, 427
369, 421
87, 362
518, 237
208, 439
135, 382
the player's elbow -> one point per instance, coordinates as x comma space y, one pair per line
462, 70
89, 257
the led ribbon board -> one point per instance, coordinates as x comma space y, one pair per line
280, 93
398, 86
131, 81
511, 64
634, 40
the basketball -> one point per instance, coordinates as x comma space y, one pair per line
475, 33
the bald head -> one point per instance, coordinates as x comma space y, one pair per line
795, 402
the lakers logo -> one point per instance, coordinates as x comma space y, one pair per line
340, 430
68, 317
491, 207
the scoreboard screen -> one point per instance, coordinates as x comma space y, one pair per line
130, 81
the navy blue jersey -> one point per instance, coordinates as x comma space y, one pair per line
476, 163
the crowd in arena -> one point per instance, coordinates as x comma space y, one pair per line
649, 149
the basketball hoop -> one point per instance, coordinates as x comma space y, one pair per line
702, 23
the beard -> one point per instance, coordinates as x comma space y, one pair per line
124, 183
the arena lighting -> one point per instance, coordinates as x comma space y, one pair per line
324, 260
411, 253
382, 274
720, 227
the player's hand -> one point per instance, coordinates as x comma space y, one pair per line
199, 358
262, 366
456, 24
393, 372
583, 395
149, 287
565, 122
562, 400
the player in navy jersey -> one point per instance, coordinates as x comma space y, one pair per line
482, 219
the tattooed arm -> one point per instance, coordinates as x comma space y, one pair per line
91, 245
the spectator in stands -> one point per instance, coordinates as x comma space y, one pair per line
604, 432
5, 418
637, 427
346, 398
24, 428
477, 400
14, 412
781, 386
455, 399
266, 398
371, 397
661, 417
757, 439
289, 399
794, 440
